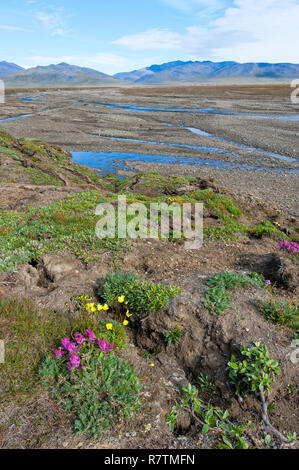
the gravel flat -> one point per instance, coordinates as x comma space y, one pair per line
262, 131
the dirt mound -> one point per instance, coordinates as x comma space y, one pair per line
209, 341
278, 269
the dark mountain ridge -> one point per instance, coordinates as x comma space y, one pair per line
189, 72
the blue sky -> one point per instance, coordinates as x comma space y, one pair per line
122, 35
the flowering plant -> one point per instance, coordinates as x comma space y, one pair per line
90, 381
292, 247
73, 351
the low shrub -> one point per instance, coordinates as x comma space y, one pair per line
257, 373
208, 418
141, 297
230, 280
256, 376
217, 300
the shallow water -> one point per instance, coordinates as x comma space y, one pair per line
35, 98
237, 144
15, 118
286, 117
201, 148
29, 99
111, 162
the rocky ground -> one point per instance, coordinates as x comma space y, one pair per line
71, 118
44, 191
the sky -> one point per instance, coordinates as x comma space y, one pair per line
122, 35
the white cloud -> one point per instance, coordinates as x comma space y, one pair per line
52, 21
248, 31
272, 23
152, 39
13, 29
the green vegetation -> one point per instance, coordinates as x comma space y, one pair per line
230, 280
85, 376
256, 374
219, 204
29, 335
142, 297
103, 392
174, 336
284, 313
208, 418
117, 335
27, 234
206, 383
218, 299
40, 177
263, 229
69, 224
9, 151
84, 315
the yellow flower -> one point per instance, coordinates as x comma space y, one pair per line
106, 307
121, 299
93, 309
100, 307
125, 322
152, 365
128, 314
109, 326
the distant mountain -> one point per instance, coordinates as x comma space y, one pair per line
58, 75
192, 72
6, 67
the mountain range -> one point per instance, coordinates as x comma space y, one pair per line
54, 75
7, 68
192, 72
169, 73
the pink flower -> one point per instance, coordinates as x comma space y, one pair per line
65, 342
293, 247
91, 337
74, 362
58, 354
72, 348
79, 339
268, 283
104, 346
